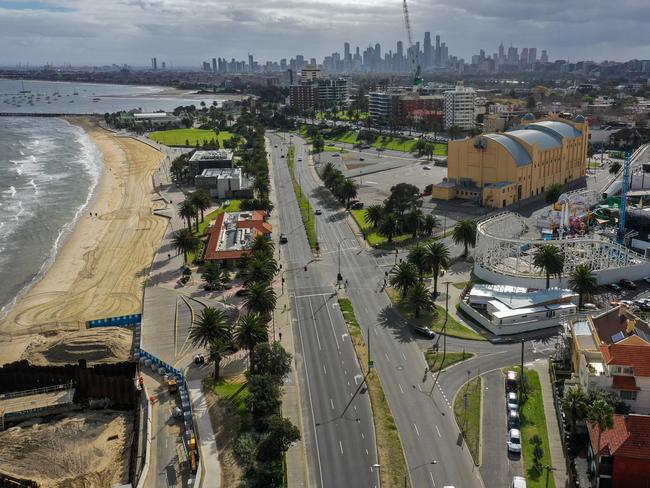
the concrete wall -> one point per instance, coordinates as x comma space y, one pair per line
604, 277
509, 329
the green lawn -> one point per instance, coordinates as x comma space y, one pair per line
434, 359
394, 471
341, 115
435, 320
178, 137
460, 285
469, 420
334, 149
372, 236
235, 394
306, 210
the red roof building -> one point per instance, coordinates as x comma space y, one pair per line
625, 452
232, 234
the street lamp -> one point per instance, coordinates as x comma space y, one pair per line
406, 476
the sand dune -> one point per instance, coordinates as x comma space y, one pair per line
100, 270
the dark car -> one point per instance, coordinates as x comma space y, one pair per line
283, 239
425, 331
357, 205
629, 284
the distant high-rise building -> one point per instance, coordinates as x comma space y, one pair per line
502, 53
523, 58
438, 56
347, 56
312, 61
532, 55
154, 64
428, 53
544, 57
459, 107
300, 61
444, 54
214, 65
163, 65
251, 64
513, 55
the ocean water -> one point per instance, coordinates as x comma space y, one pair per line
48, 172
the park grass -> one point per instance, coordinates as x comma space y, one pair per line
434, 319
334, 149
469, 420
234, 395
460, 285
306, 210
435, 362
372, 236
178, 137
394, 471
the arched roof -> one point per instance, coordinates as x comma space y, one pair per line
561, 129
538, 138
516, 150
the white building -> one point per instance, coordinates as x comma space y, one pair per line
224, 183
504, 309
460, 108
379, 105
156, 118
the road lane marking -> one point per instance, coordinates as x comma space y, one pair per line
341, 446
419, 388
332, 326
315, 327
357, 378
363, 436
431, 476
387, 358
324, 369
416, 430
404, 356
332, 403
438, 430
400, 388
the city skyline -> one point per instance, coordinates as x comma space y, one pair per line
93, 33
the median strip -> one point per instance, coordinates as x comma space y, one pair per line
306, 210
467, 410
394, 472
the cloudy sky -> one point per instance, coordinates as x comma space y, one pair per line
186, 32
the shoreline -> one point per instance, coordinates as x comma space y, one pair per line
100, 268
65, 232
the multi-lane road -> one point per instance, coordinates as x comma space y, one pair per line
341, 450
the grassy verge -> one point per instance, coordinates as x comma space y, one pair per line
435, 319
306, 210
372, 236
235, 395
180, 137
460, 285
533, 422
334, 149
469, 419
435, 362
389, 446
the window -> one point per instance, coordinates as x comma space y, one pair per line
627, 370
628, 395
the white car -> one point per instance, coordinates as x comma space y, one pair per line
514, 441
518, 482
426, 167
512, 402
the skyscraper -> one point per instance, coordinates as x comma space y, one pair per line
347, 56
214, 65
154, 64
523, 59
428, 55
532, 55
544, 57
502, 53
250, 63
438, 54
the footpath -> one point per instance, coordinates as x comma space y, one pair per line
552, 427
283, 332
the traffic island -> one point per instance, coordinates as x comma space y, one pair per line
436, 362
306, 210
394, 472
467, 410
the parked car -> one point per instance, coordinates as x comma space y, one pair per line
425, 331
629, 284
357, 205
282, 155
615, 288
589, 306
512, 401
318, 211
518, 482
513, 419
514, 441
511, 381
361, 159
426, 167
283, 239
300, 160
335, 155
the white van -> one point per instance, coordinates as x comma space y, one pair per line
518, 482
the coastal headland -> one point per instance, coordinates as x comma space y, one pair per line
101, 268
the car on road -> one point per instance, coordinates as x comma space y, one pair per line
361, 159
426, 167
518, 482
275, 147
615, 288
356, 205
335, 155
318, 211
629, 284
283, 239
425, 331
513, 419
300, 160
511, 381
512, 403
282, 155
514, 441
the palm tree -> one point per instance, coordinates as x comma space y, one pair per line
211, 325
388, 226
328, 170
420, 298
250, 330
418, 257
438, 259
185, 241
263, 245
575, 405
201, 201
214, 275
261, 186
548, 259
187, 211
216, 352
429, 223
260, 269
374, 214
348, 191
260, 298
413, 221
583, 281
601, 416
465, 234
403, 277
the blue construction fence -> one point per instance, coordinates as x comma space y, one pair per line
151, 361
121, 321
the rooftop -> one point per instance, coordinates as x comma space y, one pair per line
537, 138
215, 155
609, 325
518, 297
233, 232
221, 172
516, 150
629, 438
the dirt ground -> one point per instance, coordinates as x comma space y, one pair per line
82, 450
101, 345
100, 271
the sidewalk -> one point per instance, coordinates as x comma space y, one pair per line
210, 467
554, 439
282, 328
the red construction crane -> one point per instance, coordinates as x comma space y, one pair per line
417, 78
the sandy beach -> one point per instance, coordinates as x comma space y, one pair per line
100, 270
